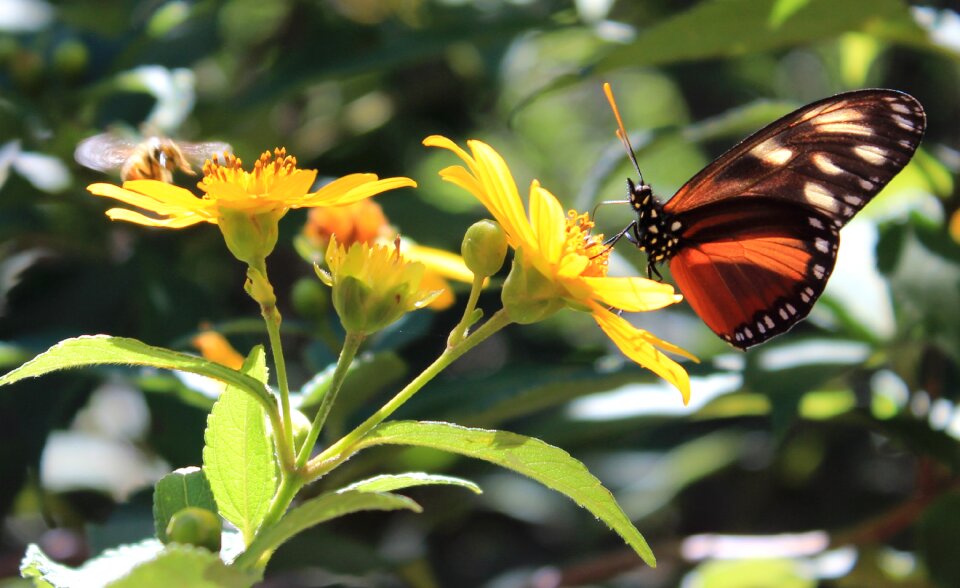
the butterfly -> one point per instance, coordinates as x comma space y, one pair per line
752, 239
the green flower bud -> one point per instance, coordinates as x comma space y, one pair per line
484, 248
529, 296
310, 299
196, 526
250, 237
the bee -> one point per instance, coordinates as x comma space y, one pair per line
152, 158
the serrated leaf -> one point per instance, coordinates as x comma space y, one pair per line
111, 565
238, 457
178, 490
185, 565
726, 28
319, 510
90, 350
551, 466
390, 482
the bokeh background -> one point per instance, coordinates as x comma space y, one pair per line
828, 456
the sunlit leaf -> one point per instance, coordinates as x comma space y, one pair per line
91, 350
185, 565
390, 482
318, 510
178, 490
551, 466
238, 458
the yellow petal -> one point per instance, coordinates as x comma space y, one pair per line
294, 187
163, 192
447, 264
173, 222
505, 201
548, 222
335, 194
144, 201
632, 294
640, 346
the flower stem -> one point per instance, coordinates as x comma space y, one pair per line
459, 332
339, 451
285, 437
350, 347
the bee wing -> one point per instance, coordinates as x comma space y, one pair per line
104, 152
198, 153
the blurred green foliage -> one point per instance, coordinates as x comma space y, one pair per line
846, 425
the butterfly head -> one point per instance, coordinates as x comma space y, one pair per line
654, 232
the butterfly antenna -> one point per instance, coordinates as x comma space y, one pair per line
621, 132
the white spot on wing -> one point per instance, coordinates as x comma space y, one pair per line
902, 122
844, 115
815, 223
899, 107
778, 156
826, 165
871, 154
772, 152
822, 245
818, 271
819, 196
853, 199
769, 321
791, 309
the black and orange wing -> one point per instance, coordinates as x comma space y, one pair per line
758, 227
753, 271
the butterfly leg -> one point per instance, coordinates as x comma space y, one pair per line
626, 232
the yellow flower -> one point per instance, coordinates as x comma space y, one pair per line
560, 263
364, 222
373, 285
246, 205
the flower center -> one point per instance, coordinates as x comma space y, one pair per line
580, 241
267, 171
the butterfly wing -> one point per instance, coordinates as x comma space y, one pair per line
760, 224
833, 156
753, 272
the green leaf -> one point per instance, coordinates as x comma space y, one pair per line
318, 510
551, 466
937, 532
111, 565
390, 482
185, 565
782, 10
106, 350
178, 490
726, 28
238, 458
